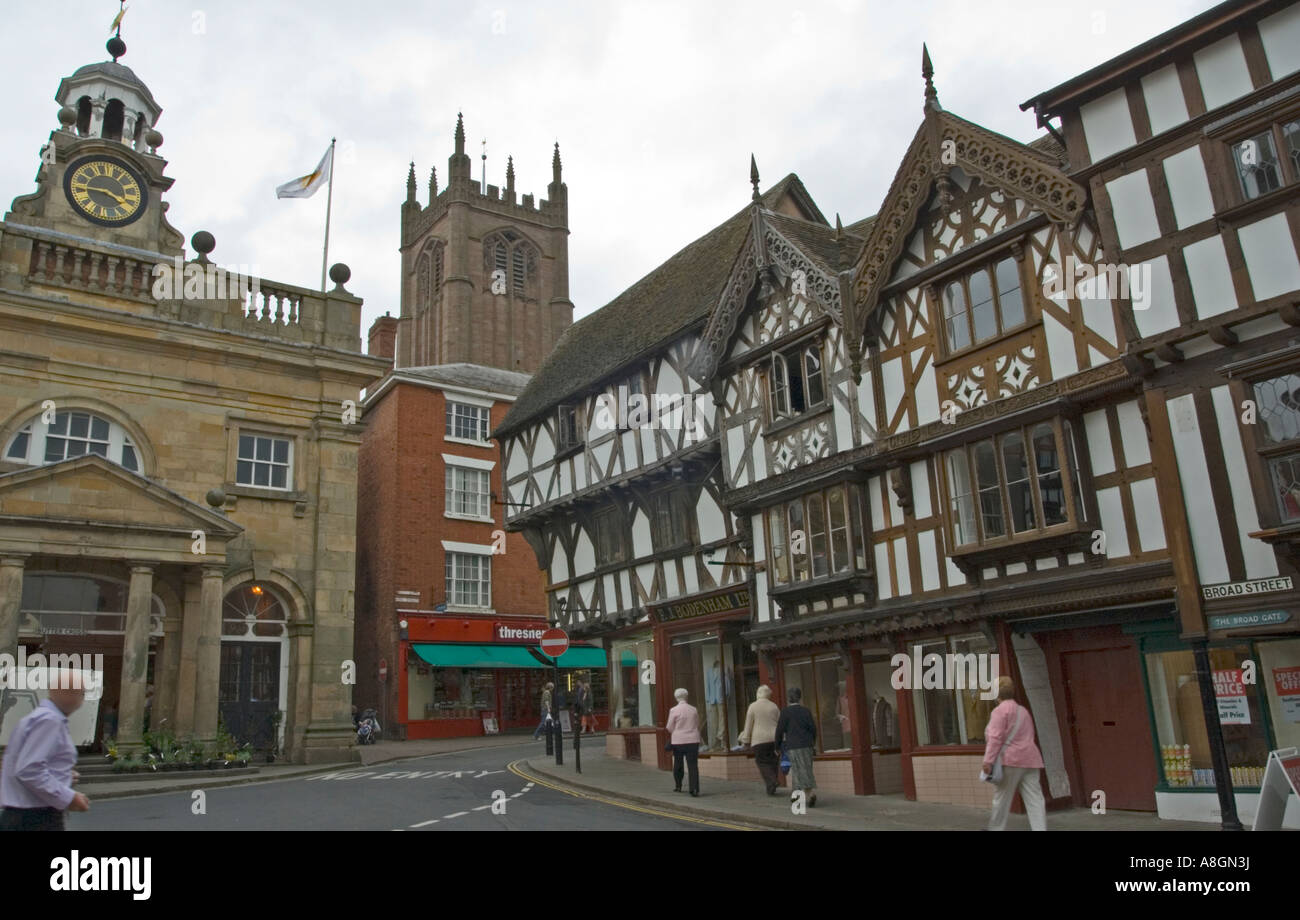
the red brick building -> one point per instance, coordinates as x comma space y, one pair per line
448, 605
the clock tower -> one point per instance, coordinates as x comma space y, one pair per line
100, 175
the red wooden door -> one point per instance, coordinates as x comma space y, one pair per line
1109, 724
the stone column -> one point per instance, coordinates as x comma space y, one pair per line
208, 674
135, 657
188, 653
167, 667
11, 597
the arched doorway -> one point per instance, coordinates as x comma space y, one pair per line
254, 665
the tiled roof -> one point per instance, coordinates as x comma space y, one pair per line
470, 377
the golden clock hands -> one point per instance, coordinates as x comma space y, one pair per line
103, 191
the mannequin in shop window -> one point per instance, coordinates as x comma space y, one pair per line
717, 690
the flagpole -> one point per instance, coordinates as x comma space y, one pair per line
329, 200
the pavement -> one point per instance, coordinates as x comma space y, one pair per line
747, 803
612, 780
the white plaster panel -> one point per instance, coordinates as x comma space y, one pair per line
1189, 187
642, 545
1099, 316
1099, 448
927, 395
1270, 257
955, 575
692, 575
928, 552
645, 574
559, 565
518, 463
1112, 522
877, 510
902, 566
1060, 347
867, 402
1134, 209
1260, 560
1162, 314
760, 544
584, 557
1166, 107
670, 588
1207, 543
709, 516
883, 580
1150, 519
1133, 434
1280, 34
760, 597
892, 373
611, 593
921, 507
1107, 125
1222, 71
1210, 277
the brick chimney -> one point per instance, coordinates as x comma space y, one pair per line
383, 337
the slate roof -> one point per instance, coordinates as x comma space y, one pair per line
116, 71
670, 300
818, 242
470, 377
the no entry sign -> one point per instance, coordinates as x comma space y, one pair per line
555, 642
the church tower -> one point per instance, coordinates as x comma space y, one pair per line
485, 276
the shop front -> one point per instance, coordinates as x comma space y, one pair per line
464, 677
1254, 659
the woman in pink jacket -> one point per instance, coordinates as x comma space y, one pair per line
684, 740
1021, 760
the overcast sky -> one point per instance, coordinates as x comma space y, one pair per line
657, 107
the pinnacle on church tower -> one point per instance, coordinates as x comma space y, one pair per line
555, 164
510, 173
410, 183
753, 177
433, 183
460, 134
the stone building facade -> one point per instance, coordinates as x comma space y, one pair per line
177, 460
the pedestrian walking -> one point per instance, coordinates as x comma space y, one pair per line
36, 778
760, 733
589, 710
796, 733
546, 709
1010, 751
684, 741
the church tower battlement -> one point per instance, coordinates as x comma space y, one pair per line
485, 275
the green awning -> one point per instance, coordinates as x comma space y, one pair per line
502, 656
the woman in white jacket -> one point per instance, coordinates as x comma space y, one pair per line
760, 733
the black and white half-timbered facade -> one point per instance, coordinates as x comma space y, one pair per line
1007, 425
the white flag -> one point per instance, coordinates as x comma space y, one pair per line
306, 186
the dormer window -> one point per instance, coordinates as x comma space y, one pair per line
795, 381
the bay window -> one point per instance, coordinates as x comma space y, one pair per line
817, 535
1013, 485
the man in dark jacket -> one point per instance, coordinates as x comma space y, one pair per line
796, 733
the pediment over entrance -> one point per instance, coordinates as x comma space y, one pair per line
102, 509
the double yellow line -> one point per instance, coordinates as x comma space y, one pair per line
604, 800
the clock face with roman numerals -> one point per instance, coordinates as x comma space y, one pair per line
105, 191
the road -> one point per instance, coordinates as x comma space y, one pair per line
478, 790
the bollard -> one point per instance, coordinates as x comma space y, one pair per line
550, 741
559, 742
577, 748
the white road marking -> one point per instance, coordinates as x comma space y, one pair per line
425, 823
456, 815
481, 807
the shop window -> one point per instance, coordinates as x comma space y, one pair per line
719, 672
953, 715
1180, 718
1013, 486
469, 423
1268, 159
72, 434
449, 693
817, 535
469, 580
882, 699
468, 492
823, 684
795, 381
1280, 676
671, 520
982, 304
631, 696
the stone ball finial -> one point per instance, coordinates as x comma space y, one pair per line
339, 274
203, 243
116, 47
153, 137
67, 116
216, 497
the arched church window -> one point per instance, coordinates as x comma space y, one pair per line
114, 117
83, 116
429, 273
515, 258
72, 433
